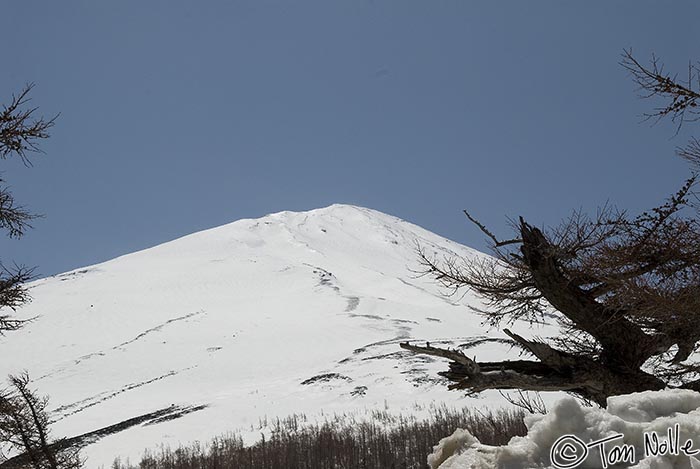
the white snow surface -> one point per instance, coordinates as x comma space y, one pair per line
236, 318
672, 416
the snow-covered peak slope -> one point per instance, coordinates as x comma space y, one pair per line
292, 312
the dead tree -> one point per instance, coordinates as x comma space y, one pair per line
624, 290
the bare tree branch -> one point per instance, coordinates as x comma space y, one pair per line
681, 99
20, 131
486, 231
530, 402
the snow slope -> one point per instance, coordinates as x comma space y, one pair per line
293, 312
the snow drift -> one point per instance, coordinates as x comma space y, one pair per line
646, 430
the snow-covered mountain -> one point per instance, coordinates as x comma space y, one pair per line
292, 312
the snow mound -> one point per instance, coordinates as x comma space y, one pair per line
645, 430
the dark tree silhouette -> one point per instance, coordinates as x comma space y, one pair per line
625, 290
20, 132
24, 423
24, 426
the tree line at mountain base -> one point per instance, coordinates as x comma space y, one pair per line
382, 441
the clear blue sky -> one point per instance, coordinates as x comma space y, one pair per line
179, 116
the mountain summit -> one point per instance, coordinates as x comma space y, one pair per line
289, 313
